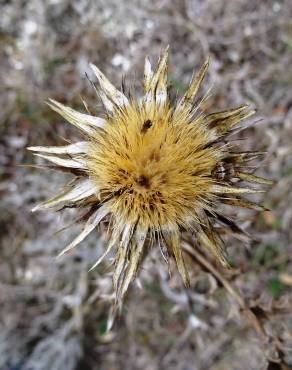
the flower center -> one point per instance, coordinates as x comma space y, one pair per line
144, 181
151, 170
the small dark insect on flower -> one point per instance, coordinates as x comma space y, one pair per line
152, 169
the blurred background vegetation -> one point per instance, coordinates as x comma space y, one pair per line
53, 313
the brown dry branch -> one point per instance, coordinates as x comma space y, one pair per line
270, 343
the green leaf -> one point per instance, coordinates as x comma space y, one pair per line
275, 287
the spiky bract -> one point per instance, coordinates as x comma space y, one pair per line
153, 171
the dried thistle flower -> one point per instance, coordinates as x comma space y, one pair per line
153, 170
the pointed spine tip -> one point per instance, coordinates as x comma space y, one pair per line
36, 208
53, 104
51, 101
95, 70
59, 255
207, 61
164, 54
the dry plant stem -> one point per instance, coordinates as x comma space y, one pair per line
268, 340
191, 249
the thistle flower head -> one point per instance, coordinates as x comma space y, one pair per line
153, 170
